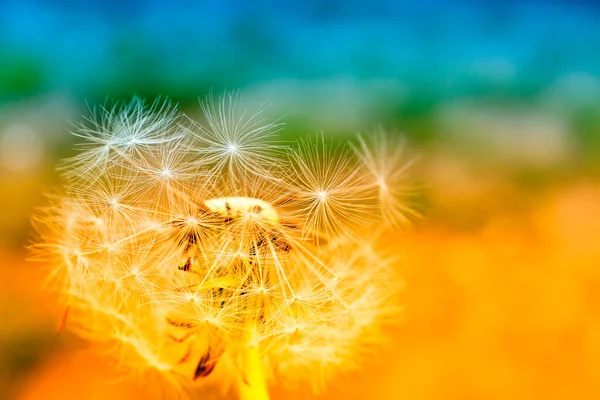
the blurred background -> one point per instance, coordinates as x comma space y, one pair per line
501, 99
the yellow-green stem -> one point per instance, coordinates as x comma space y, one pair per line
255, 385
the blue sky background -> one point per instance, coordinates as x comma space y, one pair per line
464, 73
94, 48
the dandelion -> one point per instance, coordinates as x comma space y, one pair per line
218, 255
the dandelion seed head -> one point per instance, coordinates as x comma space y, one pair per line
175, 241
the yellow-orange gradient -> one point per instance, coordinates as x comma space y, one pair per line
509, 309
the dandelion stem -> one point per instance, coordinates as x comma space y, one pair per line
255, 386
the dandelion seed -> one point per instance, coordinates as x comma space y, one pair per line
330, 186
209, 253
236, 144
384, 156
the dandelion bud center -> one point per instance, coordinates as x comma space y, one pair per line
238, 207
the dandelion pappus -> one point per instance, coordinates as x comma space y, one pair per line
225, 211
200, 247
243, 207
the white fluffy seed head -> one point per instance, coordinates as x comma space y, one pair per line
180, 245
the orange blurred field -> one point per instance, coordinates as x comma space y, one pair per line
504, 309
